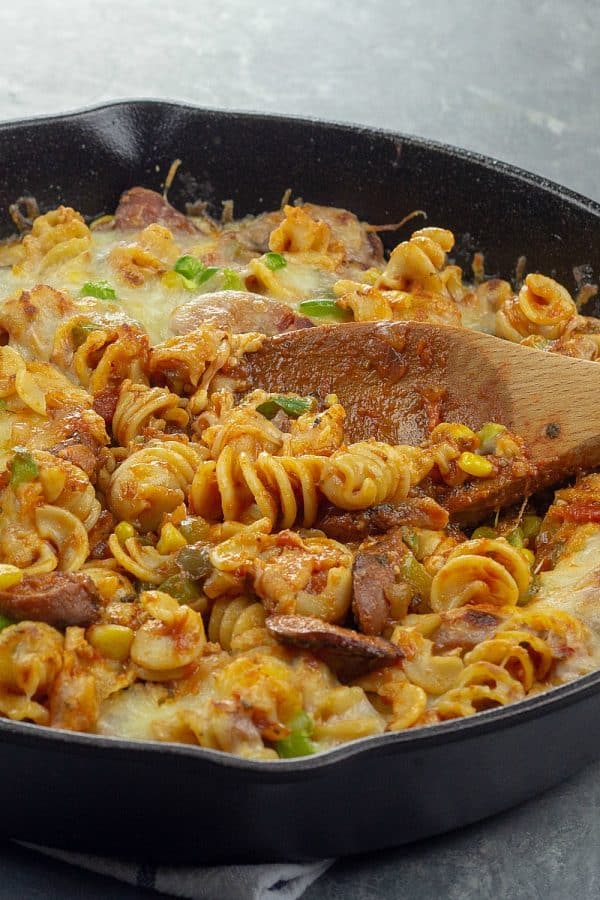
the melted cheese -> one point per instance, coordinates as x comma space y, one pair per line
573, 586
152, 303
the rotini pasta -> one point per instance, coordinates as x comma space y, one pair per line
58, 237
237, 624
288, 488
142, 410
152, 481
542, 307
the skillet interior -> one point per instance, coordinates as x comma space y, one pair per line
188, 803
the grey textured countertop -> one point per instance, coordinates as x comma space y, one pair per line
512, 79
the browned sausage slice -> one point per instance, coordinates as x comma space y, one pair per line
376, 566
139, 207
362, 247
57, 598
238, 311
342, 648
344, 525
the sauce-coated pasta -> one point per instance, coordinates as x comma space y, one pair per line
185, 558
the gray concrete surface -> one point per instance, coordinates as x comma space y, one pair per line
517, 80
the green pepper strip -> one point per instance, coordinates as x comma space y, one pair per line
189, 267
181, 588
323, 309
292, 406
193, 272
5, 622
515, 537
208, 272
274, 261
232, 281
23, 468
102, 290
81, 332
298, 742
530, 526
417, 576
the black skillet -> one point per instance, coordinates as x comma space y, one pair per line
184, 803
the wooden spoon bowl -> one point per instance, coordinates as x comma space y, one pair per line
398, 380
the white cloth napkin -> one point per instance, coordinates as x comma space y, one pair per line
271, 881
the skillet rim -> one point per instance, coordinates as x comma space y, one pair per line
514, 714
488, 162
424, 736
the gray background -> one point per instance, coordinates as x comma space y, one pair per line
516, 80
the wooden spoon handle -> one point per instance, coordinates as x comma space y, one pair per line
548, 399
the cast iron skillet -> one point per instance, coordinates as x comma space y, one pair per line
179, 802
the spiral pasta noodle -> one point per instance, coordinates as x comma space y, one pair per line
543, 308
153, 481
417, 264
109, 356
57, 237
243, 429
287, 489
371, 472
310, 576
17, 378
149, 255
306, 238
374, 304
343, 713
237, 623
484, 570
190, 363
401, 702
140, 406
46, 520
31, 656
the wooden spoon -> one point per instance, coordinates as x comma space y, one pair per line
397, 380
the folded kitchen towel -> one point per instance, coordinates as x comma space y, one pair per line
271, 881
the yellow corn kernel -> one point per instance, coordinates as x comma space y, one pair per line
479, 466
112, 641
452, 430
528, 555
9, 575
124, 531
170, 539
173, 280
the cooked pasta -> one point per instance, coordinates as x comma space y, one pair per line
57, 238
237, 623
142, 410
542, 307
152, 481
185, 557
